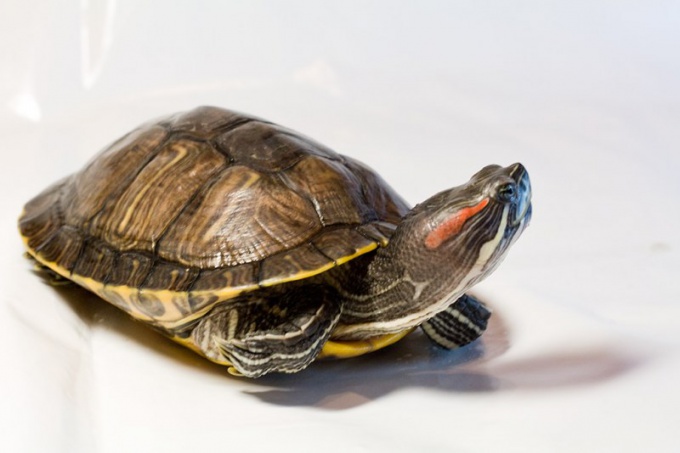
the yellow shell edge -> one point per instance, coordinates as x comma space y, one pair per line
322, 269
173, 317
331, 350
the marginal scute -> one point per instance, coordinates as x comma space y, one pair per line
40, 219
341, 243
131, 269
295, 264
239, 277
40, 227
170, 277
62, 247
373, 232
96, 261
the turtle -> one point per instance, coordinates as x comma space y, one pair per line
264, 250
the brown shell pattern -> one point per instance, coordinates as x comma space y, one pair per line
209, 199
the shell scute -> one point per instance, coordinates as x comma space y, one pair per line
130, 270
96, 261
98, 186
240, 277
294, 264
170, 276
244, 217
269, 147
157, 195
41, 217
333, 190
205, 122
387, 204
341, 243
63, 247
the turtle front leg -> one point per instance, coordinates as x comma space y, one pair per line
269, 331
463, 322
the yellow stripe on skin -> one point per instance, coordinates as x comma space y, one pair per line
346, 349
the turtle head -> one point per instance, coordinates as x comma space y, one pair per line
460, 235
489, 212
441, 248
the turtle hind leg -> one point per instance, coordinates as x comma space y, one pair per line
269, 331
461, 323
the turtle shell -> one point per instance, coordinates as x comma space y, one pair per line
202, 206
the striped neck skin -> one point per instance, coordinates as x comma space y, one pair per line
443, 246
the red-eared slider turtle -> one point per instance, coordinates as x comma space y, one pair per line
261, 249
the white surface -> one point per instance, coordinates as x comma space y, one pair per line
584, 350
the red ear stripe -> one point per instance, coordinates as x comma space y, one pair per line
452, 225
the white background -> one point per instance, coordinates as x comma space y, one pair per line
583, 353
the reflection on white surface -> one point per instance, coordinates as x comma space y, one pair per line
583, 351
25, 106
96, 29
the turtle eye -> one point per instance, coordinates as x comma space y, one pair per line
507, 192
